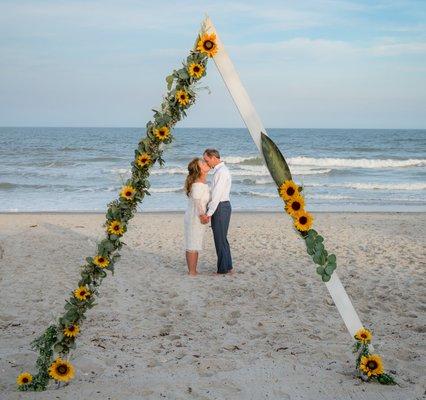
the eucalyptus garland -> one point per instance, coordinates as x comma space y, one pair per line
55, 344
370, 366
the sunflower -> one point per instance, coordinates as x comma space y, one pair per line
115, 228
196, 70
143, 159
295, 205
207, 44
128, 192
363, 335
81, 293
162, 133
288, 190
371, 365
61, 370
182, 97
303, 221
100, 261
72, 330
24, 379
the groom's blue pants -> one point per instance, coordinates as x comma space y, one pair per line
220, 224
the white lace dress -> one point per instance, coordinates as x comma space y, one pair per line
197, 205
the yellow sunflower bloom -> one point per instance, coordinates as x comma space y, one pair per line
207, 44
128, 192
101, 262
115, 227
371, 365
363, 335
24, 379
61, 370
196, 70
162, 133
143, 160
81, 293
303, 221
288, 190
295, 205
182, 97
72, 330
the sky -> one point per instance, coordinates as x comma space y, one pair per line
305, 64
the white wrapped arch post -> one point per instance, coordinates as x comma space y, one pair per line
255, 127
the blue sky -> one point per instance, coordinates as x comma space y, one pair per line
319, 64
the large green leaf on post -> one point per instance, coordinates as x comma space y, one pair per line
275, 161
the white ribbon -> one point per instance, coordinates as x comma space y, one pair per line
255, 127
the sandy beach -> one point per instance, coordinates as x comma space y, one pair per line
270, 331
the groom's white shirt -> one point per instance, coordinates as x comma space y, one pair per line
221, 187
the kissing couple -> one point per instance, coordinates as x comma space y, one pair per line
206, 206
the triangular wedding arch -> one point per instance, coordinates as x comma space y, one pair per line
60, 338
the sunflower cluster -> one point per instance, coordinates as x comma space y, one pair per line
59, 339
369, 365
295, 206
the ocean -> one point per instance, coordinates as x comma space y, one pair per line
82, 169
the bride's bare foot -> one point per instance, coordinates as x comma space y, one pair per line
193, 273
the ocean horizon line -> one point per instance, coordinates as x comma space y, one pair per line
203, 127
238, 211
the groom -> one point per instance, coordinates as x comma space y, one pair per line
219, 209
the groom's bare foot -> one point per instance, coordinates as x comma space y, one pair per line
192, 273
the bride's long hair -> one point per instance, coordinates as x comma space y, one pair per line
194, 172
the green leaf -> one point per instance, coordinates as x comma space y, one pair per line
183, 74
310, 242
386, 379
275, 161
312, 233
356, 347
329, 269
326, 278
58, 348
169, 81
105, 246
319, 247
320, 270
319, 239
71, 314
331, 259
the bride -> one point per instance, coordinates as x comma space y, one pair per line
198, 193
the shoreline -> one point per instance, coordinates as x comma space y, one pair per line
171, 212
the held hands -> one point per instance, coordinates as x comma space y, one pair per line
205, 219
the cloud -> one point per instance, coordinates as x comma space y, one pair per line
398, 49
303, 48
95, 14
